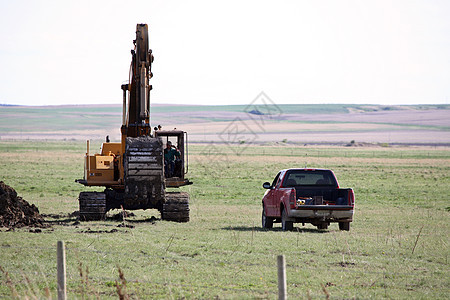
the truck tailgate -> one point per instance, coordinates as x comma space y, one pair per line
327, 212
325, 207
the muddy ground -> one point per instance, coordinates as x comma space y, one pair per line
15, 212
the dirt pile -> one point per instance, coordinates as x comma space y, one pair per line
16, 212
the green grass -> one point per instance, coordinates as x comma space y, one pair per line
223, 252
48, 119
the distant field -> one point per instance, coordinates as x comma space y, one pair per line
333, 123
397, 247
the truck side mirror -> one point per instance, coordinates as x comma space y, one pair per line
266, 185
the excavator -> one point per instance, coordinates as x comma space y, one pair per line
134, 172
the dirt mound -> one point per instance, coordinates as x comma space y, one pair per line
16, 212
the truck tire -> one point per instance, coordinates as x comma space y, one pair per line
267, 222
322, 226
344, 226
286, 225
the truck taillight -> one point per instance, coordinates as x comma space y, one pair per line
292, 198
351, 198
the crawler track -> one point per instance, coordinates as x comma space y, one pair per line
144, 175
176, 207
92, 206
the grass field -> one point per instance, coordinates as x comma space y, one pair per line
397, 246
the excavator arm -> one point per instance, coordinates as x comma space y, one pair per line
136, 113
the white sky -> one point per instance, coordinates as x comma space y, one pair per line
227, 52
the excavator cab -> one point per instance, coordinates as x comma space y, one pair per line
174, 171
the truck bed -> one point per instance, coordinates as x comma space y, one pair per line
331, 196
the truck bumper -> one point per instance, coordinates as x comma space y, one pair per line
322, 212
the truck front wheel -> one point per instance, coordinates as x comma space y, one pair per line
267, 222
286, 225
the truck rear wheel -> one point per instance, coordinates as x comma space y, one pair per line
267, 222
322, 226
344, 226
286, 225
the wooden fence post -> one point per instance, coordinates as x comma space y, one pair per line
61, 269
281, 277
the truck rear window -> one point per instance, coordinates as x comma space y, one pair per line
303, 177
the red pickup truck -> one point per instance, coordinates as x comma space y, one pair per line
307, 196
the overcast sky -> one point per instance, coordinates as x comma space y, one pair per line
227, 52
